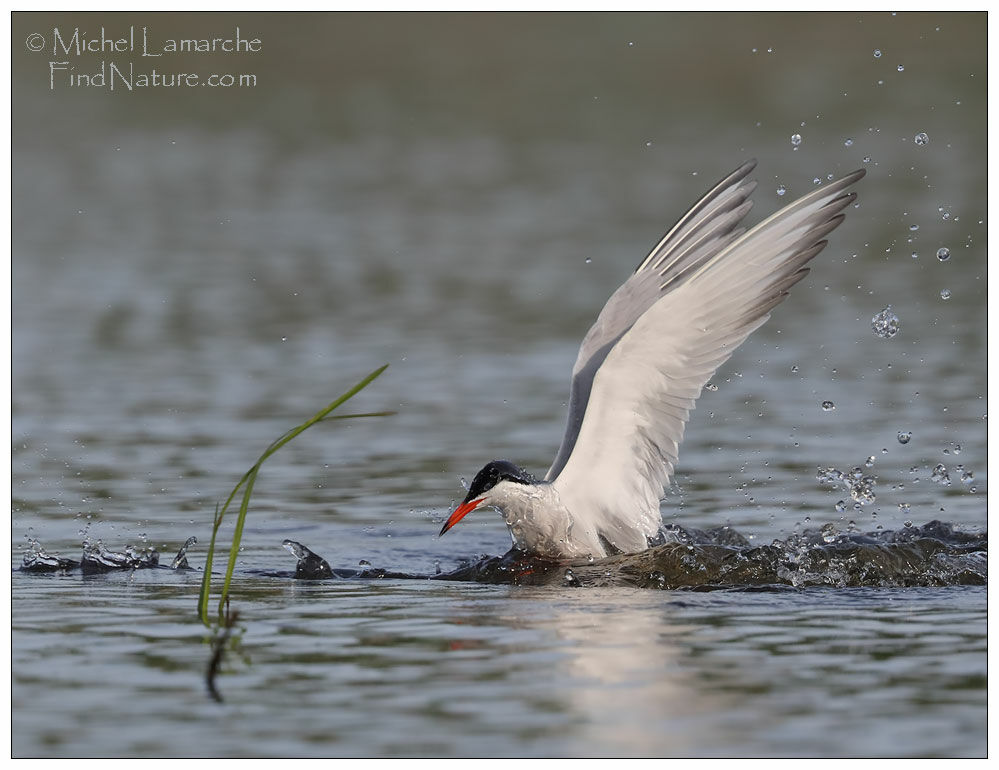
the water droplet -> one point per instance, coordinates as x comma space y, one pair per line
795, 139
907, 523
886, 324
829, 475
648, 144
904, 436
913, 227
870, 462
943, 253
921, 138
841, 506
828, 406
945, 294
862, 490
940, 475
848, 143
901, 68
711, 386
589, 260
867, 159
903, 508
794, 369
877, 53
781, 189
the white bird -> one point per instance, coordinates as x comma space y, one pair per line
704, 287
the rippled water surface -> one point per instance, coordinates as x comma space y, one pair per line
196, 271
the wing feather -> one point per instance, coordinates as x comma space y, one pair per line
635, 383
709, 226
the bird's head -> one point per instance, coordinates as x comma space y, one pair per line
494, 483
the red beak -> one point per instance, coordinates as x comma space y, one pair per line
459, 513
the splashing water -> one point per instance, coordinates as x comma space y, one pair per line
310, 566
37, 560
932, 555
97, 559
180, 560
861, 487
885, 324
940, 475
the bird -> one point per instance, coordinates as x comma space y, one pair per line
705, 286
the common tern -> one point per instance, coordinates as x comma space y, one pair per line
702, 290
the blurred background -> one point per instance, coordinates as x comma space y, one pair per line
195, 269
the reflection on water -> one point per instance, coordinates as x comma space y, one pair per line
457, 196
494, 670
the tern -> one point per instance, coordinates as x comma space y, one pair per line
702, 290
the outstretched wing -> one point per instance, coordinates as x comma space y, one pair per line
715, 286
708, 227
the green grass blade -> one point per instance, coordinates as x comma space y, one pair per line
246, 484
237, 537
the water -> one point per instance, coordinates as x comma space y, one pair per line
194, 273
885, 324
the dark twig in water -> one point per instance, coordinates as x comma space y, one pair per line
219, 645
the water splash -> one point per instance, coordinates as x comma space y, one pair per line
940, 475
310, 566
180, 560
861, 487
935, 554
885, 324
37, 560
97, 559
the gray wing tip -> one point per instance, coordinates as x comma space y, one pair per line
843, 182
743, 171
